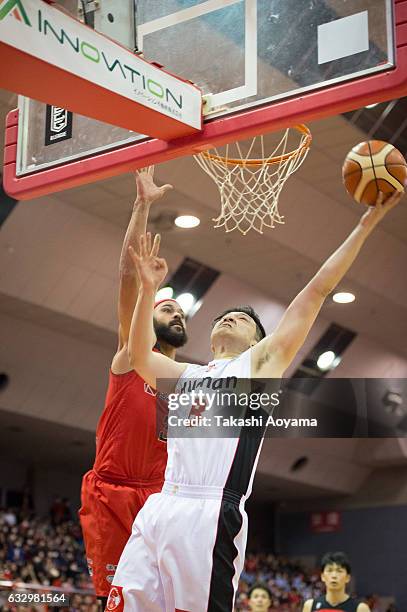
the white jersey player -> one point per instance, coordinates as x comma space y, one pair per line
186, 551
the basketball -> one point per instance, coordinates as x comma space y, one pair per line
371, 167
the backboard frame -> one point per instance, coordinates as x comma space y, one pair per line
309, 106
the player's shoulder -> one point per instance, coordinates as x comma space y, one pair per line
308, 605
363, 607
121, 362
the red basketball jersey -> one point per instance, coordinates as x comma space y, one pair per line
128, 445
321, 605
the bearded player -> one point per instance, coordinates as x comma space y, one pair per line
335, 574
187, 547
130, 454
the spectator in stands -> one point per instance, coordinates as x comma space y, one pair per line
67, 514
57, 511
9, 517
259, 597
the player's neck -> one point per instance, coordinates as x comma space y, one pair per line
336, 597
225, 351
167, 350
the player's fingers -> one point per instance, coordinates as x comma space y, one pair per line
134, 255
394, 199
379, 199
142, 245
150, 170
156, 245
148, 245
166, 188
161, 262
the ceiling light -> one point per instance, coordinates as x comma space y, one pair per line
343, 297
372, 105
4, 380
186, 301
300, 463
326, 360
393, 402
187, 221
165, 293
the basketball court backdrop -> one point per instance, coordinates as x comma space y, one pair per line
149, 82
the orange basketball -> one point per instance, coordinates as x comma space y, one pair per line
371, 167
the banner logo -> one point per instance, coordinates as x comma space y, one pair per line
16, 8
58, 124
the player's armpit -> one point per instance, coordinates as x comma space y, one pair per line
266, 361
120, 362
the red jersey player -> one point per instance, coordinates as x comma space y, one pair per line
130, 456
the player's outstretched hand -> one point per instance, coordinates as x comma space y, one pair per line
383, 205
147, 190
151, 269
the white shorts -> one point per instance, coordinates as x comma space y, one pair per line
185, 553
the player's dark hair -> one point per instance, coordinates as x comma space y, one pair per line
339, 558
262, 586
260, 331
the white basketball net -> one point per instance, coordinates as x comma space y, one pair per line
250, 188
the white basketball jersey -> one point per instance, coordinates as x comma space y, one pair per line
214, 461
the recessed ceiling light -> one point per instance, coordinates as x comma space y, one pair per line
372, 105
326, 360
343, 297
165, 293
186, 301
187, 221
4, 380
299, 464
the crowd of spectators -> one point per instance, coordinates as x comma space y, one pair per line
47, 551
290, 583
50, 552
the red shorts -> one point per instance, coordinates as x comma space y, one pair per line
106, 515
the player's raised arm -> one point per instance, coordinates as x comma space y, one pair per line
151, 271
273, 355
147, 193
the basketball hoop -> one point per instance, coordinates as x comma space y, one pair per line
250, 187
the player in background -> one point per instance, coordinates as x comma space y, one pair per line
335, 574
194, 532
259, 598
130, 459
